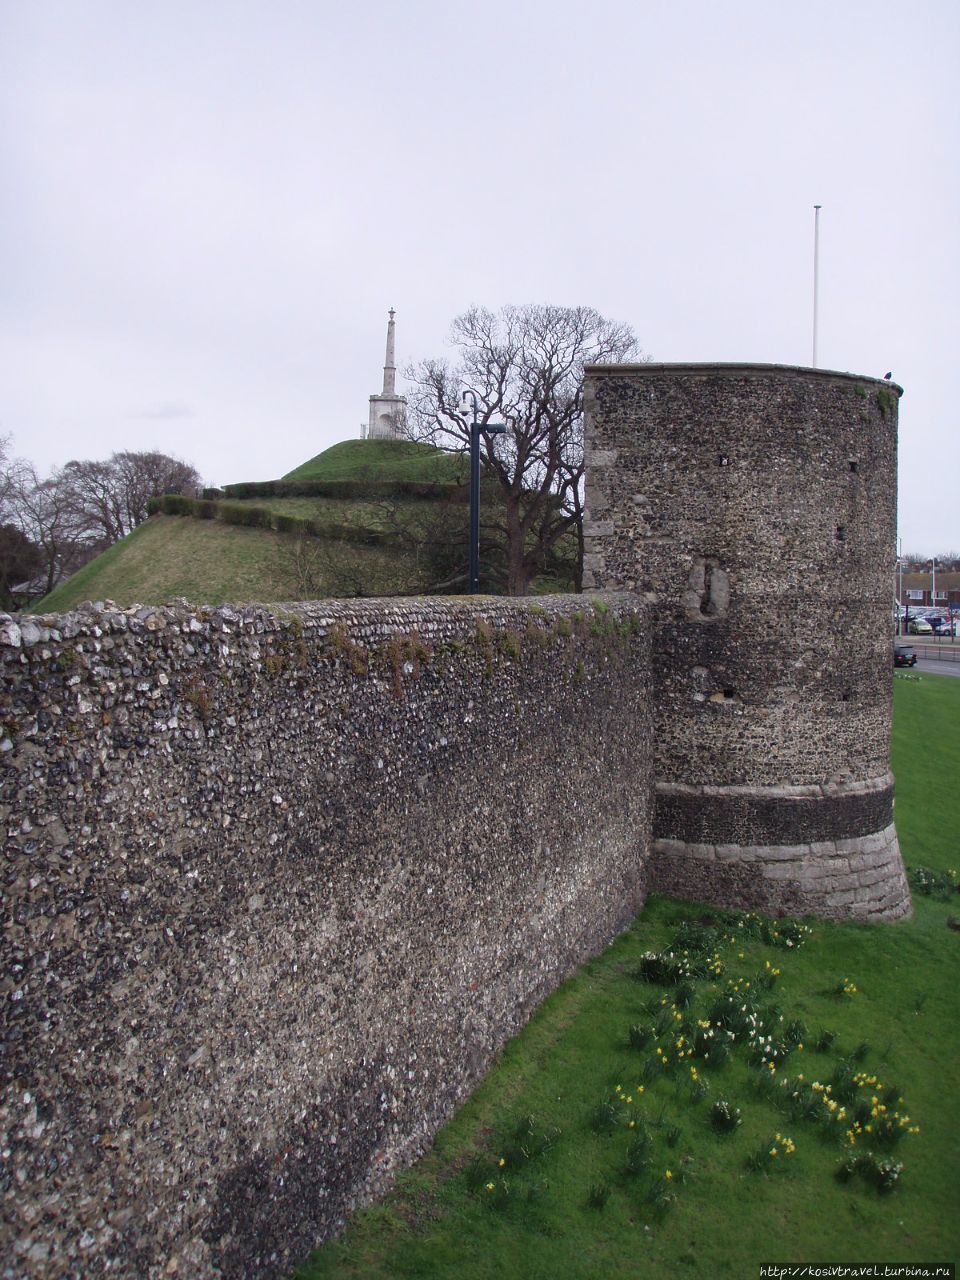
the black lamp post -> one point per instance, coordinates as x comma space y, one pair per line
494, 429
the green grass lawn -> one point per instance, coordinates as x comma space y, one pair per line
581, 1195
208, 562
388, 514
382, 460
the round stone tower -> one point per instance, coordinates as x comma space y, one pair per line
754, 506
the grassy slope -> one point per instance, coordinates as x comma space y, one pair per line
386, 514
207, 563
727, 1220
382, 460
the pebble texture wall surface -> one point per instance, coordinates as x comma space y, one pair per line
277, 887
755, 507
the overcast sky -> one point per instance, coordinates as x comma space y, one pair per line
207, 207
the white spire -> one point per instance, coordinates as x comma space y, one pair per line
389, 365
387, 410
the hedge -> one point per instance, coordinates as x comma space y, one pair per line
253, 517
347, 489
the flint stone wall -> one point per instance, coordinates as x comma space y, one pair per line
277, 887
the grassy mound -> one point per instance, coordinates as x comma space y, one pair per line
208, 562
607, 1141
382, 460
363, 518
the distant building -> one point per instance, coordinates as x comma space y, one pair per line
24, 593
387, 410
917, 589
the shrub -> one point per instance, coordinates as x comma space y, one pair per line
933, 885
659, 1196
639, 1036
605, 1116
243, 514
724, 1117
882, 1174
175, 504
795, 1033
665, 968
697, 937
346, 489
525, 1142
598, 1195
769, 1155
284, 523
637, 1159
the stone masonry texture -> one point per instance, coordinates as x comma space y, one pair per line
277, 886
754, 508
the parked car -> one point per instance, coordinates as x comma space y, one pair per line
920, 627
904, 655
941, 626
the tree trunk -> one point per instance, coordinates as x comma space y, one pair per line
519, 570
578, 567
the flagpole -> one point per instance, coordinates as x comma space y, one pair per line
816, 276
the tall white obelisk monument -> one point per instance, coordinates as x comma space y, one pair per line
387, 410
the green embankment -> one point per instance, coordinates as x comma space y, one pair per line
382, 460
592, 1204
212, 563
208, 561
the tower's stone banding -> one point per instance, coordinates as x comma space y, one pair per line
755, 507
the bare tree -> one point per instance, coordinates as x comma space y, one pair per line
44, 512
112, 496
6, 475
19, 557
97, 498
84, 507
147, 475
20, 560
11, 472
525, 366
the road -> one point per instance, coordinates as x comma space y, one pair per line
927, 651
935, 668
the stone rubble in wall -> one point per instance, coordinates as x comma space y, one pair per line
218, 924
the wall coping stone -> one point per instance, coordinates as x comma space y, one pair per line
378, 616
707, 369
